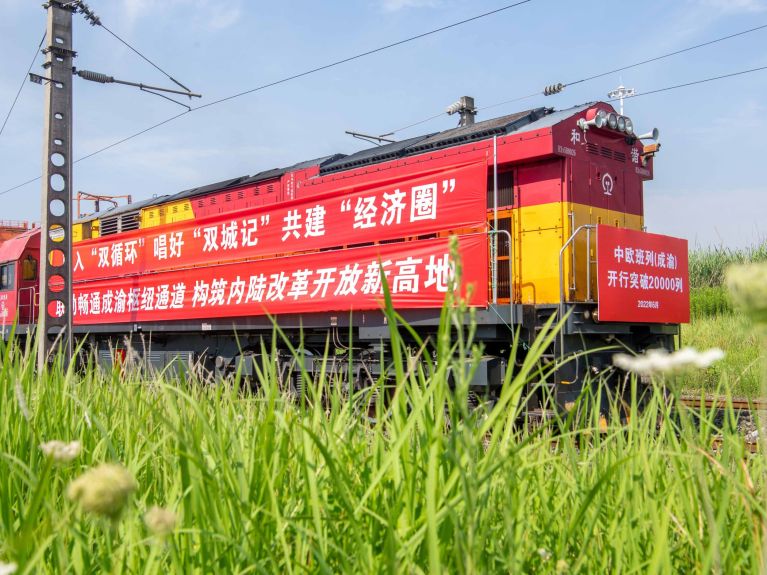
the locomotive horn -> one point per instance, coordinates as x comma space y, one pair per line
654, 135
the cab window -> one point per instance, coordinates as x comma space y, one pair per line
7, 276
29, 269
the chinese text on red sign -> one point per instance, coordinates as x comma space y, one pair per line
642, 277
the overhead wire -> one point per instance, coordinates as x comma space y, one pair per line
362, 54
637, 95
136, 51
410, 39
21, 87
693, 83
668, 55
602, 74
281, 81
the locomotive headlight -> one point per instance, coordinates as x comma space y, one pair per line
612, 120
600, 119
629, 127
621, 123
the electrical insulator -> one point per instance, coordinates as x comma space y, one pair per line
95, 76
553, 89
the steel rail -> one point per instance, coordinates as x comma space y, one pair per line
723, 402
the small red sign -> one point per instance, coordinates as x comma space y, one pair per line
642, 277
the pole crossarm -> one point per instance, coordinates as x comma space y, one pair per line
106, 79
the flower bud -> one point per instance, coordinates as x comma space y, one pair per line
160, 521
61, 452
103, 490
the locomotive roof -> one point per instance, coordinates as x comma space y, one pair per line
117, 210
12, 248
433, 141
533, 119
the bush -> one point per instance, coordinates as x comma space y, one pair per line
710, 301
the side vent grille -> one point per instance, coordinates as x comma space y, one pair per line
505, 190
129, 222
108, 226
606, 152
121, 223
592, 148
619, 156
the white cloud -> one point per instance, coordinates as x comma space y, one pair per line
211, 14
733, 6
225, 17
397, 5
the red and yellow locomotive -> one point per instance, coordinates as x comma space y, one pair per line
547, 208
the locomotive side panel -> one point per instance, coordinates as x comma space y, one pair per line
540, 221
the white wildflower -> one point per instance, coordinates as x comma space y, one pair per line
160, 521
660, 361
61, 452
563, 566
8, 568
103, 490
544, 553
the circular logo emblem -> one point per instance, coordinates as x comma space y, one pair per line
607, 184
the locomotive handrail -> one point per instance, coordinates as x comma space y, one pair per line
33, 302
495, 267
562, 300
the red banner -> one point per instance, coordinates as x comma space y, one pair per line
450, 200
418, 274
642, 277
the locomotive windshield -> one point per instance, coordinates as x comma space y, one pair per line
7, 272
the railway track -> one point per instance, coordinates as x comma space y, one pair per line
723, 402
751, 443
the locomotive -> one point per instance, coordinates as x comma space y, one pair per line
545, 207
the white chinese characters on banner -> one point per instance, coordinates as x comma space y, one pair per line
384, 210
406, 275
649, 258
657, 259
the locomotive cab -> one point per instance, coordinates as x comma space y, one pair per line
19, 281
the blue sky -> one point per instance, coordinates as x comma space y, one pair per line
709, 181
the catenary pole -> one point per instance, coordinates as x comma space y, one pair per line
55, 316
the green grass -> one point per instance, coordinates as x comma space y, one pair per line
708, 265
710, 301
263, 484
742, 366
714, 323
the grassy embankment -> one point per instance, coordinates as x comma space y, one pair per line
259, 483
714, 323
